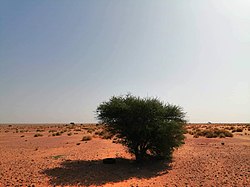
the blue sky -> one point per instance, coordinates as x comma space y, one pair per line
60, 59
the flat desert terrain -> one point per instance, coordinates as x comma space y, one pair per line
72, 154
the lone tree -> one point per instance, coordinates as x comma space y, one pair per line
146, 126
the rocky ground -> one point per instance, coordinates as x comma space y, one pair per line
54, 155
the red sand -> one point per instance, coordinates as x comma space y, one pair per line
59, 161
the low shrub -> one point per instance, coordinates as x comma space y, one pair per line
228, 134
107, 136
210, 134
37, 135
104, 134
52, 131
90, 131
232, 128
213, 133
69, 134
239, 130
222, 135
185, 131
86, 138
57, 134
196, 136
57, 156
39, 130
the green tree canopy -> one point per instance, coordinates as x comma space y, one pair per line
146, 126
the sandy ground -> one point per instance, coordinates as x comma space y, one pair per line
61, 161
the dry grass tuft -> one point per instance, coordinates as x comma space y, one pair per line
37, 135
86, 138
212, 133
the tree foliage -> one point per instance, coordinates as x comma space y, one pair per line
146, 126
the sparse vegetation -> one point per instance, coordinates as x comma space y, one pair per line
22, 131
238, 130
37, 135
86, 138
57, 156
222, 135
57, 133
63, 156
196, 136
104, 134
39, 130
212, 133
69, 134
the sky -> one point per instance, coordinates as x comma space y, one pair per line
60, 59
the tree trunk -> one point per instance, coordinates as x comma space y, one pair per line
138, 156
140, 153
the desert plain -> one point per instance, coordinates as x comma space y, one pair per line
72, 155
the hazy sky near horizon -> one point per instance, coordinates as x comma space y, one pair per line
60, 59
